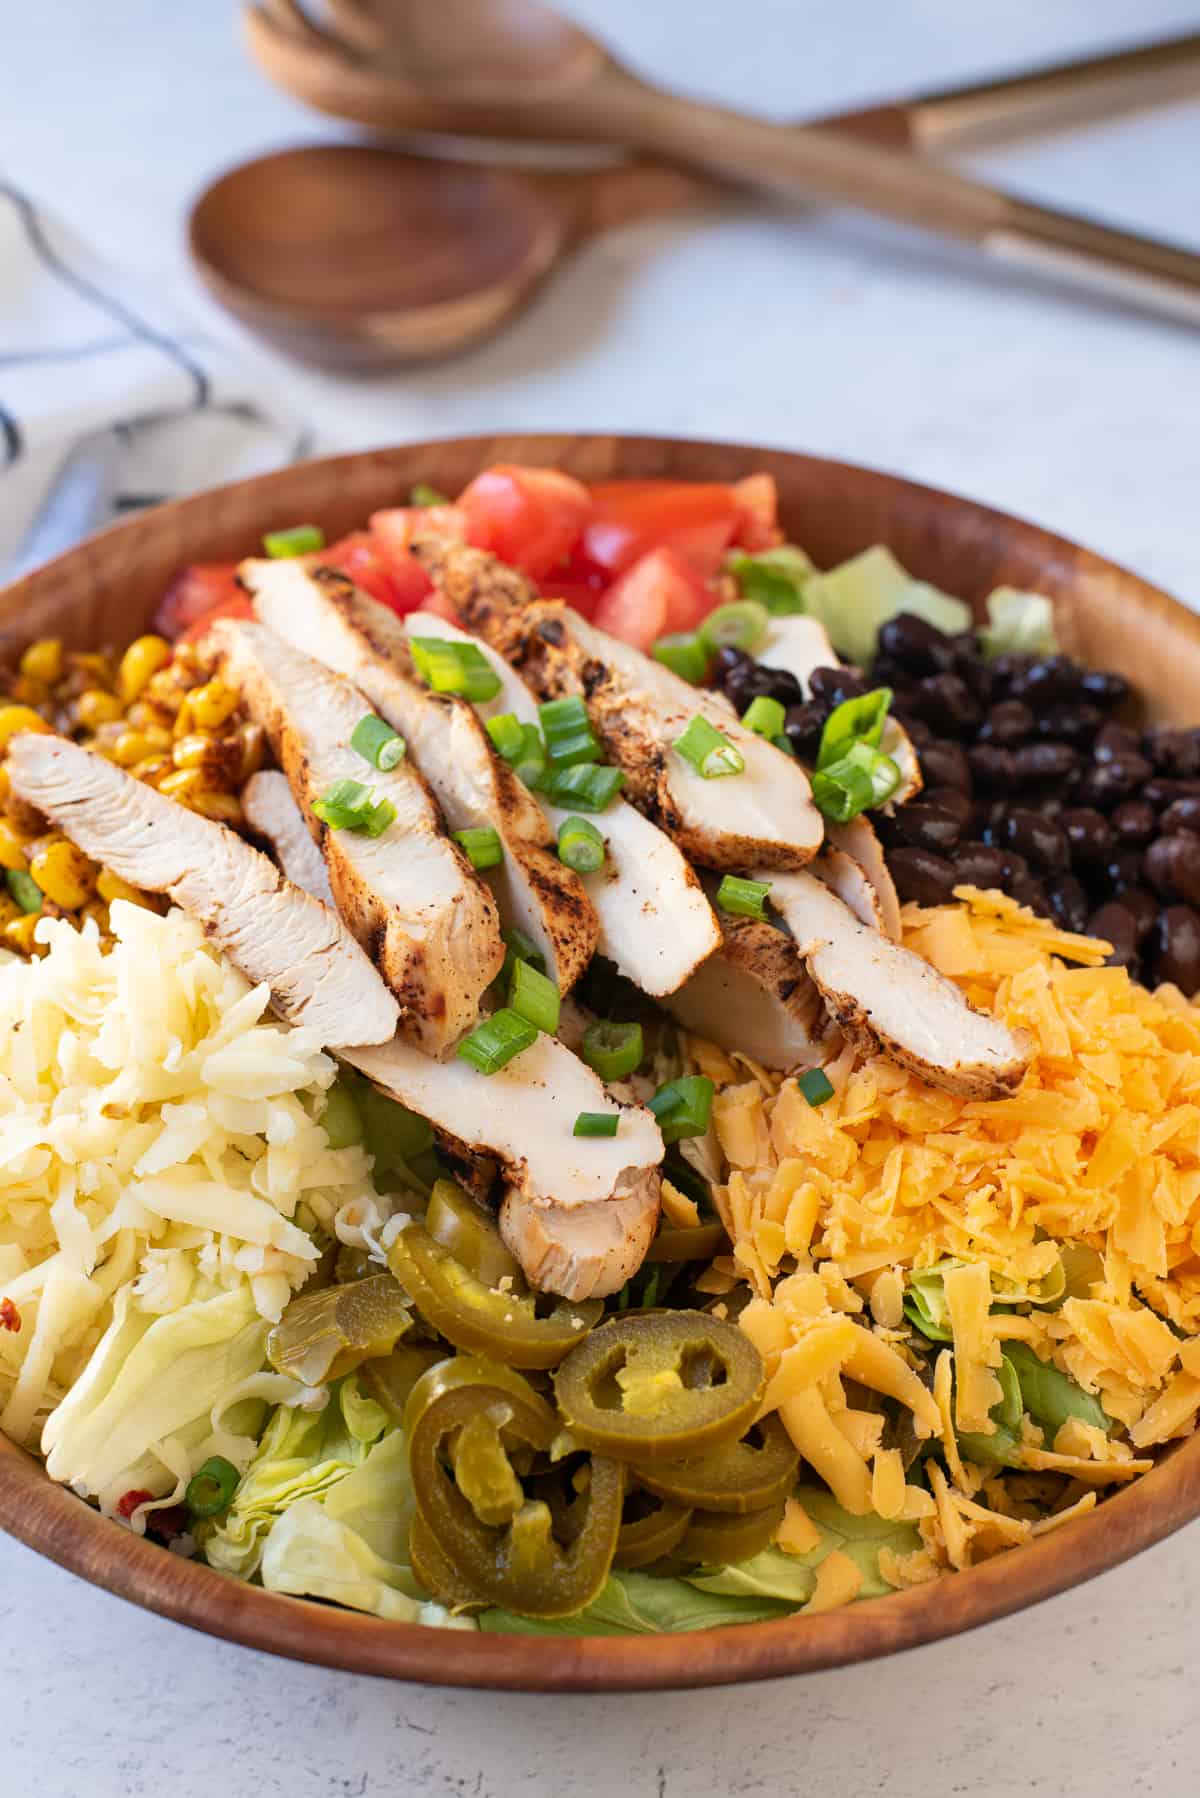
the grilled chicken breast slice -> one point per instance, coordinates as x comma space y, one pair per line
764, 816
654, 920
273, 931
579, 1212
886, 998
272, 812
799, 644
323, 614
756, 997
410, 896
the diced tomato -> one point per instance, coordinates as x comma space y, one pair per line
660, 593
440, 606
196, 591
629, 518
10, 1317
579, 581
531, 518
237, 606
393, 534
129, 1501
361, 559
757, 500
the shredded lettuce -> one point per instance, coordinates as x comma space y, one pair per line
854, 599
641, 1604
1019, 624
312, 1554
303, 1454
152, 1380
774, 1574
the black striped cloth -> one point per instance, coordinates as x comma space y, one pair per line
107, 401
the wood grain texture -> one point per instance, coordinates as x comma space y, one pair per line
106, 590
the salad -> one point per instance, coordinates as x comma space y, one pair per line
564, 1070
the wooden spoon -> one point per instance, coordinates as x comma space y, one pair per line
359, 258
514, 68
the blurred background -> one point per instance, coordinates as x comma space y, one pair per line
740, 319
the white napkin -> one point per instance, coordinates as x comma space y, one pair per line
108, 400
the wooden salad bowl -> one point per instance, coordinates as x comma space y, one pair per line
106, 591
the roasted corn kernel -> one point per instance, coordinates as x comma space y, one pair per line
12, 848
253, 739
9, 909
213, 704
64, 873
15, 718
226, 808
96, 707
5, 786
130, 747
144, 657
185, 784
28, 691
153, 769
43, 661
97, 911
18, 934
110, 886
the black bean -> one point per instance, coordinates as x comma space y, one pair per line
947, 704
1113, 924
916, 644
1030, 892
979, 865
1115, 744
728, 661
1104, 690
1074, 724
803, 725
950, 799
1008, 723
1068, 902
834, 685
1143, 907
918, 731
1105, 784
759, 681
1125, 869
1007, 669
1045, 761
944, 764
927, 878
991, 769
1089, 835
971, 668
925, 826
1015, 865
1173, 752
1173, 867
1181, 814
1042, 841
1050, 678
1133, 823
1177, 948
1162, 792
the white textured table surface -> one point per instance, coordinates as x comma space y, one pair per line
826, 334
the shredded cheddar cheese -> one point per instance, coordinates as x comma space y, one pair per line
1064, 1219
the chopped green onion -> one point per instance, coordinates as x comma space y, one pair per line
570, 739
742, 625
345, 805
863, 777
816, 1086
378, 819
301, 540
494, 1043
685, 654
422, 494
519, 947
613, 1050
743, 898
450, 667
482, 846
535, 997
765, 717
854, 721
377, 743
785, 743
711, 754
507, 734
580, 845
588, 787
24, 889
596, 1123
683, 1107
211, 1490
530, 765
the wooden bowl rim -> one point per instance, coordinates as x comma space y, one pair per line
50, 1519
